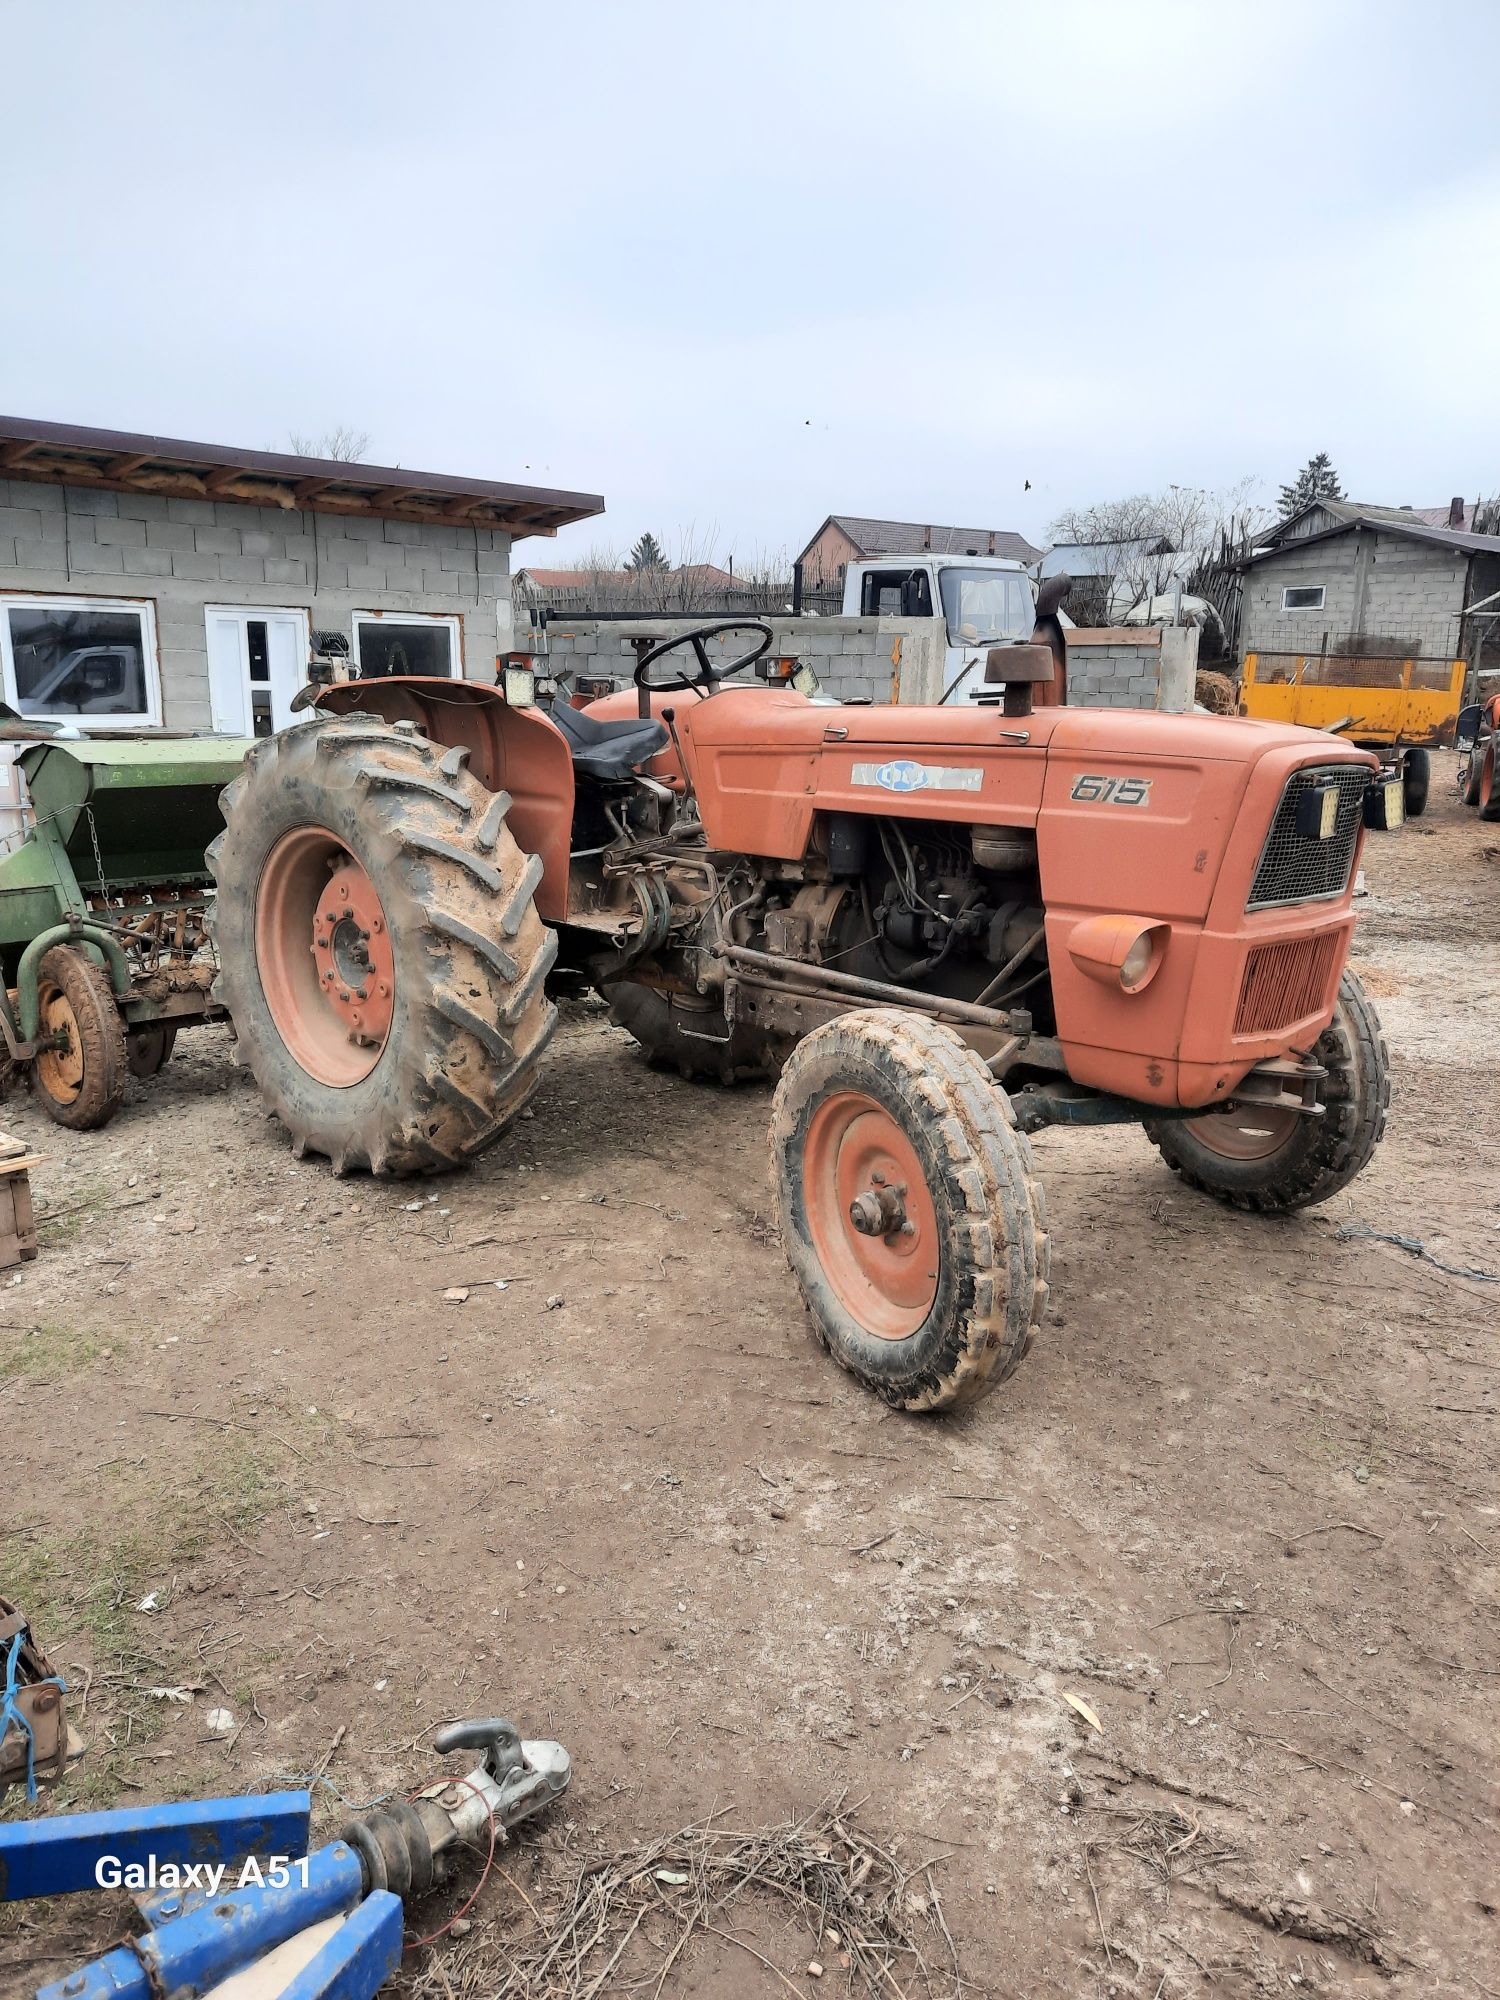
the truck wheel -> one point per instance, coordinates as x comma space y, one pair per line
81, 1083
691, 1034
148, 1050
1416, 779
380, 952
1487, 796
909, 1210
1272, 1162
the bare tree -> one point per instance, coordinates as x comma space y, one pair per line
1146, 543
342, 442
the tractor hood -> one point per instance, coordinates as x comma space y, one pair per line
765, 761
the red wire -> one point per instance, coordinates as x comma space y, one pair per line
433, 1936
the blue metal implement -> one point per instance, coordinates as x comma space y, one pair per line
222, 1883
193, 1953
54, 1857
358, 1958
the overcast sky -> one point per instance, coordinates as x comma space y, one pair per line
740, 266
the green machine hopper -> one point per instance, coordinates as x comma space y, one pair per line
102, 907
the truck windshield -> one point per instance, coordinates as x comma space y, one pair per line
983, 607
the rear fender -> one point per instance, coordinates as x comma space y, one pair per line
515, 750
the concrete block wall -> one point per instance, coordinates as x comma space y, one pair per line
1114, 666
855, 659
186, 554
1389, 592
1414, 596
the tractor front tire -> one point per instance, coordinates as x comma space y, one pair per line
1471, 771
380, 951
81, 1083
909, 1209
1274, 1162
692, 1034
1416, 782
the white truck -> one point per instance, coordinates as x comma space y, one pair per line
984, 601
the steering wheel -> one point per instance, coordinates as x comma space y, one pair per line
708, 674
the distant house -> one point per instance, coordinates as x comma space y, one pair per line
847, 538
149, 582
1466, 516
1340, 577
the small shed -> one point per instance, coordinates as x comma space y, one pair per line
1373, 583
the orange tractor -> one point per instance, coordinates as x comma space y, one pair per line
942, 927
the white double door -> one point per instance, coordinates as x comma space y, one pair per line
257, 661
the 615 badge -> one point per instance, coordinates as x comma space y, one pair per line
1092, 790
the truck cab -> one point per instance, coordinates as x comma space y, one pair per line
984, 601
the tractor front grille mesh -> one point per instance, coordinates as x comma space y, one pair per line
1286, 982
1294, 869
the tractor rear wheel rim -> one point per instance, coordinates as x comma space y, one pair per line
870, 1215
60, 1070
323, 949
1245, 1132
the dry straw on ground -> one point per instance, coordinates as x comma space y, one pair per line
627, 1920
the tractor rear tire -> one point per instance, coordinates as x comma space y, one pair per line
82, 1084
1275, 1162
909, 1209
426, 1039
694, 1039
1487, 795
1416, 782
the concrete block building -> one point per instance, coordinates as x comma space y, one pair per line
147, 582
1371, 582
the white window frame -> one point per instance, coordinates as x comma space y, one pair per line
40, 600
1287, 589
448, 618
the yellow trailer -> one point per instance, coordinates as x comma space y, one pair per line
1398, 708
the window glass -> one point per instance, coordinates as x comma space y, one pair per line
387, 646
985, 606
895, 593
77, 660
1304, 598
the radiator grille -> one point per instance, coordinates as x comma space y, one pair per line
1285, 982
1294, 869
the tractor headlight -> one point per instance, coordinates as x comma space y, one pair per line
1123, 952
1137, 961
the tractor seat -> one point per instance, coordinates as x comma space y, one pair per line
609, 751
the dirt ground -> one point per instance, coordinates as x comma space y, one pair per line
1240, 1500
